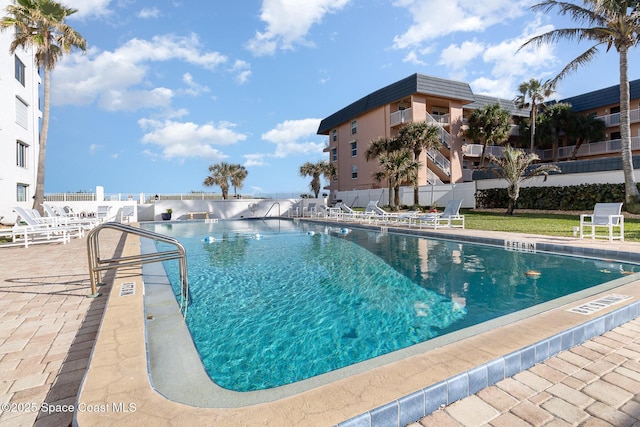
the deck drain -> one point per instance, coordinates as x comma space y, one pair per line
127, 289
599, 304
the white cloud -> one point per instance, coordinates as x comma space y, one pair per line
149, 13
294, 137
288, 22
110, 78
180, 140
457, 57
257, 159
194, 89
242, 69
431, 21
88, 8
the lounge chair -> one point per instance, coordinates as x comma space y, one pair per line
604, 215
449, 218
128, 212
63, 218
345, 212
309, 210
103, 214
31, 228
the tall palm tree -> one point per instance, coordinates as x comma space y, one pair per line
238, 175
532, 95
220, 175
489, 124
512, 167
419, 136
39, 24
315, 170
607, 23
397, 167
380, 146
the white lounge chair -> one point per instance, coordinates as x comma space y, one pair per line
127, 213
605, 215
449, 218
344, 212
63, 218
103, 214
31, 229
309, 210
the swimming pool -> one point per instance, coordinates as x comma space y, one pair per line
277, 301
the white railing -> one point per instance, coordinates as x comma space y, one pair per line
433, 179
614, 119
440, 160
591, 149
401, 116
475, 150
70, 197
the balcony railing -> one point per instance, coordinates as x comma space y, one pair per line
440, 160
401, 117
585, 150
614, 119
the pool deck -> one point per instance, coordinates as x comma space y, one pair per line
48, 333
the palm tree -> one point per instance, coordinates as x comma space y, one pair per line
220, 174
39, 24
315, 170
238, 175
489, 124
584, 128
380, 146
397, 166
513, 168
607, 23
532, 95
419, 136
553, 124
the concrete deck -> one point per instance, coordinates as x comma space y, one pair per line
48, 332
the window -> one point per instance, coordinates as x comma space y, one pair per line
354, 148
21, 154
354, 127
19, 70
334, 135
22, 113
21, 193
615, 135
354, 172
334, 154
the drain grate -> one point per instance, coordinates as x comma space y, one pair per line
128, 288
599, 304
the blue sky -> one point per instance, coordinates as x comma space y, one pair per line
167, 88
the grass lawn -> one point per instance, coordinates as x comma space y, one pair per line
550, 224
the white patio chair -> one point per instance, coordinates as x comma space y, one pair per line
605, 215
449, 218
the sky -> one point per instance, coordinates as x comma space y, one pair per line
167, 88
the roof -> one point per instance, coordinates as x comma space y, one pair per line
505, 104
602, 97
416, 83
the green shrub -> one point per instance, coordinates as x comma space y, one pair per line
575, 197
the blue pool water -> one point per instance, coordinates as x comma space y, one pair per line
277, 301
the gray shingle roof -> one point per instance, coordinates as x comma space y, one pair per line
600, 97
505, 104
416, 83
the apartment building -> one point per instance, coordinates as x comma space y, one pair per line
448, 104
19, 126
605, 104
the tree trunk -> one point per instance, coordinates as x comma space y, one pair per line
533, 126
632, 197
38, 198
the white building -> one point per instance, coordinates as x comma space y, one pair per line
19, 126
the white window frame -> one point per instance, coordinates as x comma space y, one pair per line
354, 172
354, 148
22, 192
354, 127
22, 113
20, 70
22, 154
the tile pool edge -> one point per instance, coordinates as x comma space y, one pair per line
413, 407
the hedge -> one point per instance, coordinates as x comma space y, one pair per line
575, 197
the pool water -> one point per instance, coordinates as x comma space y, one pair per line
275, 301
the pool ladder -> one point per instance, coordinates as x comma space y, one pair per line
96, 264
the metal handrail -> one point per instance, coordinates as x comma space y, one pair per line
271, 207
96, 265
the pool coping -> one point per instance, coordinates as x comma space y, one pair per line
118, 372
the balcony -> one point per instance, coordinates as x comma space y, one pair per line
614, 119
401, 117
586, 150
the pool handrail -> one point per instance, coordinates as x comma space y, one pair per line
96, 265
